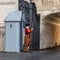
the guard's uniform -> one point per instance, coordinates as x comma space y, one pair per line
27, 39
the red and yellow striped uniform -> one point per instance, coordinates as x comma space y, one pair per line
27, 39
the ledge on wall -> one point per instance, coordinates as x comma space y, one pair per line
5, 3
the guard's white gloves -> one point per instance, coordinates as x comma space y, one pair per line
32, 29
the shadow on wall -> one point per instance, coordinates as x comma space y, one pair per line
50, 36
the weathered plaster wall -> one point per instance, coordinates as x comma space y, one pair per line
5, 7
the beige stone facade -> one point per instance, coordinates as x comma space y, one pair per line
5, 7
44, 7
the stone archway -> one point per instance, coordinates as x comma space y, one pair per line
50, 36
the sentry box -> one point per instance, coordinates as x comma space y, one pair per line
13, 32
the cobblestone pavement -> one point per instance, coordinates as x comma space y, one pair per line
35, 55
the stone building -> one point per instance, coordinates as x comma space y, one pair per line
44, 7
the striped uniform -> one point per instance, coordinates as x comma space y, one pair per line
27, 39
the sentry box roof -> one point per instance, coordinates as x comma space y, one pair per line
14, 16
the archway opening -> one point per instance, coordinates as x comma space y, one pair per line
50, 35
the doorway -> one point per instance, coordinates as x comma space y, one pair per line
35, 40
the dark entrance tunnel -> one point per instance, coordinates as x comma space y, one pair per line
50, 36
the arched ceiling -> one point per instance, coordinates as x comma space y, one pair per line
53, 17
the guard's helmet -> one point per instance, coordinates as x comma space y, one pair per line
27, 24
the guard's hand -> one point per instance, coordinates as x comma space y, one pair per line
32, 29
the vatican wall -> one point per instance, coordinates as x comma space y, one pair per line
44, 8
5, 7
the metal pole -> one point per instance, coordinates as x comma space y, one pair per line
30, 13
31, 24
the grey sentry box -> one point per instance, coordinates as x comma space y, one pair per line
13, 33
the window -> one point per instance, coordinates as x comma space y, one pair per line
10, 25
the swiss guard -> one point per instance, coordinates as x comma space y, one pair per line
28, 32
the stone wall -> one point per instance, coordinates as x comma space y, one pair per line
42, 5
5, 7
2, 42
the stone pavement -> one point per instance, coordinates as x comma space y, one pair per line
35, 55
